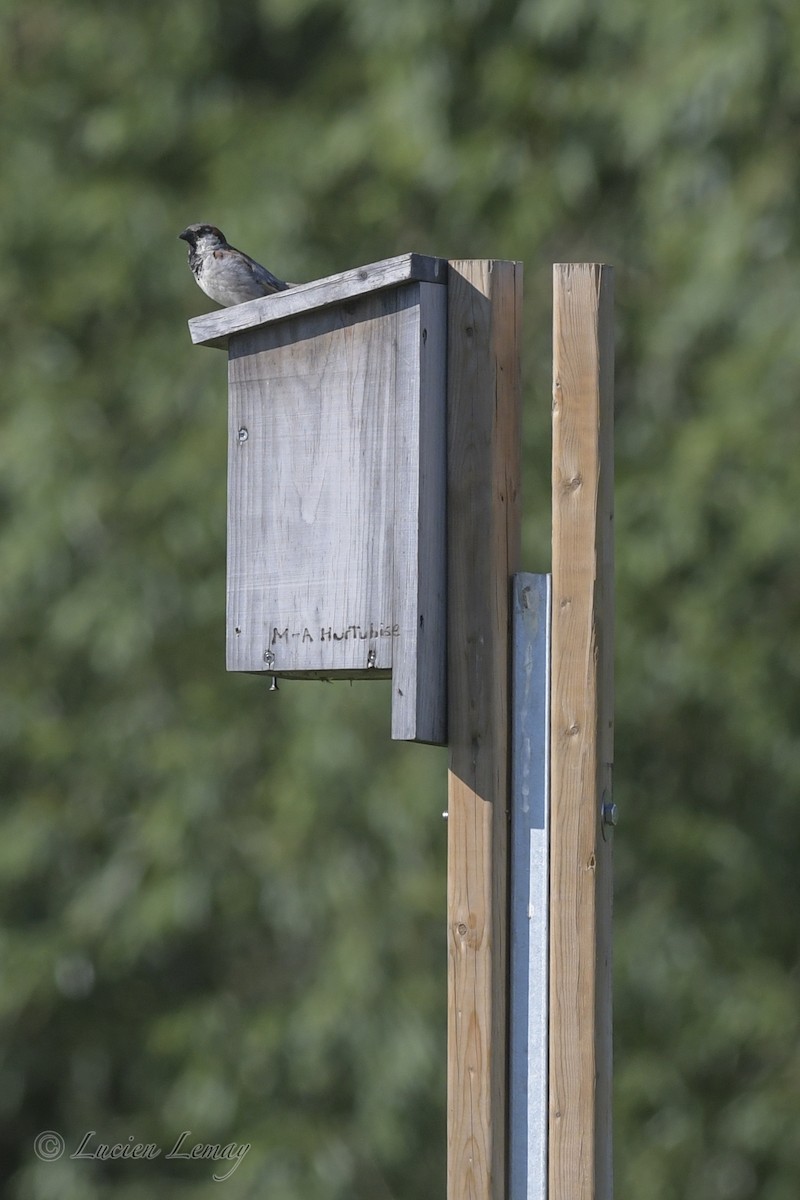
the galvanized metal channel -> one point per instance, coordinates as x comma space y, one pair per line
530, 852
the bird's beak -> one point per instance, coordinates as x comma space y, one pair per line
184, 235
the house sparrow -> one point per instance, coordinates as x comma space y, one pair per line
225, 273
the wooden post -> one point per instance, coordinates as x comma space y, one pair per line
581, 735
483, 399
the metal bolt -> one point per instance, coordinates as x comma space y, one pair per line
609, 813
243, 434
269, 657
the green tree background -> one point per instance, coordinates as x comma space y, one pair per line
223, 910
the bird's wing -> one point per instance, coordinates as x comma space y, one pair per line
248, 266
266, 277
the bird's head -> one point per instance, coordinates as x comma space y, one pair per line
205, 237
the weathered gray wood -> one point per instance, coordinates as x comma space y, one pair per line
419, 693
530, 853
215, 328
311, 475
332, 494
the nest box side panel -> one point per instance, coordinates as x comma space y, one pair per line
315, 413
419, 698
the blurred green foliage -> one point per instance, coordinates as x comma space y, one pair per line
222, 911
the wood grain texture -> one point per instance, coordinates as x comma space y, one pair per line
215, 328
580, 1165
336, 558
483, 389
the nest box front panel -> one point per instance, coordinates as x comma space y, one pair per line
336, 494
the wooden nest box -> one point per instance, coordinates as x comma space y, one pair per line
336, 482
